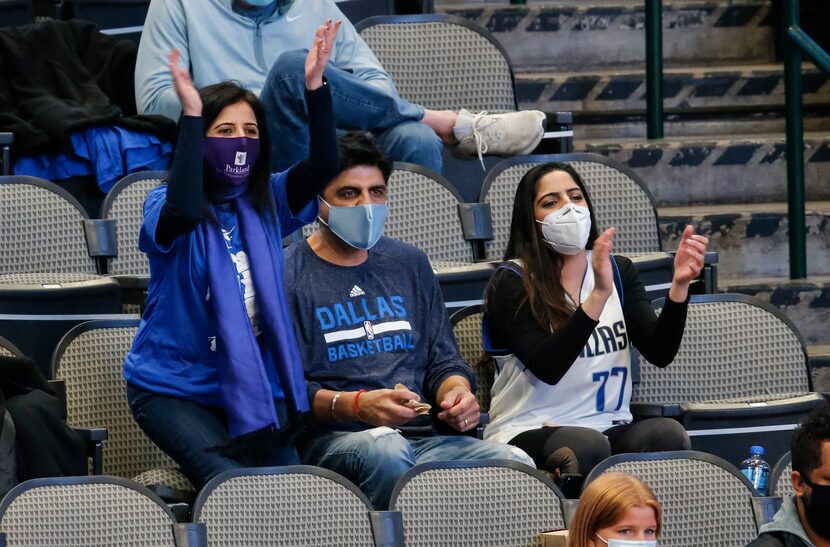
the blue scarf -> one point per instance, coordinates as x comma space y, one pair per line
245, 389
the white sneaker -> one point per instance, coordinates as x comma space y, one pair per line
500, 134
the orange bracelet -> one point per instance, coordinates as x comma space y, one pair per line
357, 404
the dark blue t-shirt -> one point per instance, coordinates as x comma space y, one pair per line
171, 353
372, 326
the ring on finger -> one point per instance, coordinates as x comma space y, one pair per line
466, 423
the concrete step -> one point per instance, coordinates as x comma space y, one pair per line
704, 89
805, 301
732, 169
574, 35
819, 359
701, 126
751, 240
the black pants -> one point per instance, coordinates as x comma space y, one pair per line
591, 447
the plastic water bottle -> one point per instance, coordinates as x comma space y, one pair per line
756, 469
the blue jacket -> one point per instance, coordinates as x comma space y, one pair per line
219, 44
171, 351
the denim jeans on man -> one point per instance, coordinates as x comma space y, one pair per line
375, 459
197, 438
357, 105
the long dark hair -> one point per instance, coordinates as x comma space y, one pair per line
542, 266
215, 98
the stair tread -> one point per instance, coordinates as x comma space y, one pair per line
726, 282
580, 3
818, 349
743, 208
639, 70
727, 137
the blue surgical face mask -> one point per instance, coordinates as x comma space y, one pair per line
360, 225
612, 542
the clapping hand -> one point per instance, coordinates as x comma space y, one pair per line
320, 53
688, 262
183, 84
601, 261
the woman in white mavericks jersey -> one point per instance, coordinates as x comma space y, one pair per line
564, 313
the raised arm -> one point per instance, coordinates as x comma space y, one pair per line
658, 339
309, 177
184, 207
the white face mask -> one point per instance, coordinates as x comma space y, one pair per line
567, 229
629, 542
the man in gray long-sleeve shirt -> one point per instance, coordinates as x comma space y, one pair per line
258, 44
369, 316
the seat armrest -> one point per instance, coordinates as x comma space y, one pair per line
476, 221
100, 237
554, 119
172, 495
652, 410
6, 139
94, 438
483, 420
387, 528
476, 226
559, 133
93, 434
190, 534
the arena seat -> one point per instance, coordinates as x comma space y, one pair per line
50, 265
740, 378
706, 501
89, 361
779, 479
7, 349
445, 62
124, 206
123, 214
90, 511
45, 231
294, 505
487, 502
619, 199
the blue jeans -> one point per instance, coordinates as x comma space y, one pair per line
357, 105
376, 458
197, 437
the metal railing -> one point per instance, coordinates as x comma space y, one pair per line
654, 69
796, 43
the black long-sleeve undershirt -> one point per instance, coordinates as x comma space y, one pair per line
549, 355
184, 209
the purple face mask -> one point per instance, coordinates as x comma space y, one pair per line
232, 159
